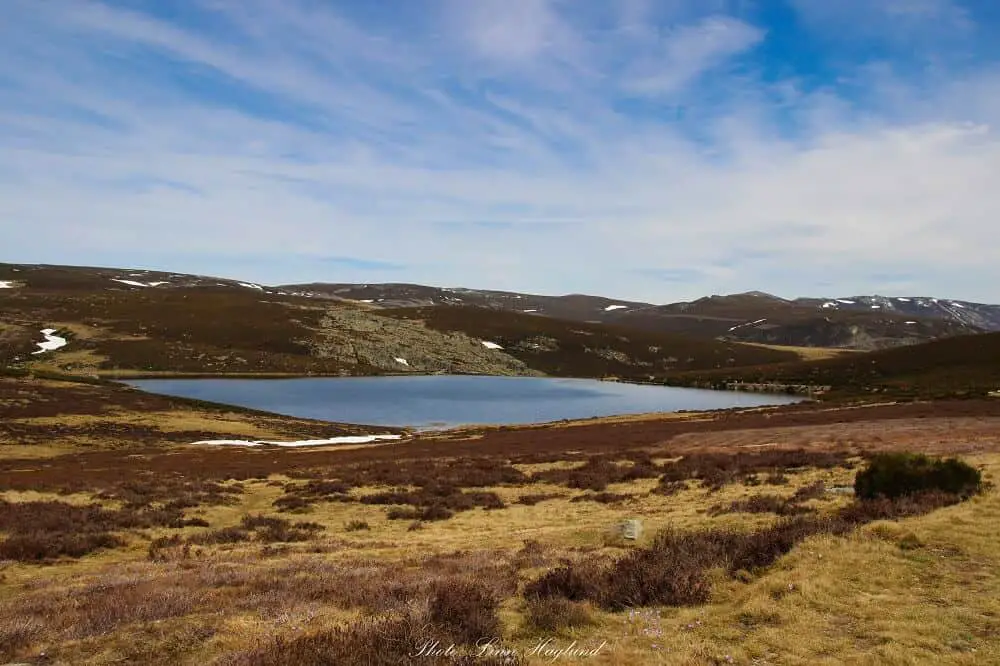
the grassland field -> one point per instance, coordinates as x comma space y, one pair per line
122, 543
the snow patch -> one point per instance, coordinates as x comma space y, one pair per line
829, 304
529, 310
250, 285
903, 300
876, 307
134, 283
957, 305
491, 345
366, 300
841, 300
752, 323
346, 439
909, 322
52, 341
4, 284
615, 307
401, 361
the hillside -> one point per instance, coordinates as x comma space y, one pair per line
577, 307
118, 322
979, 315
559, 347
860, 323
766, 319
967, 366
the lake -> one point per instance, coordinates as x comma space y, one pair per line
445, 401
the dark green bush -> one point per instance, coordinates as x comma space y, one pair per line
899, 474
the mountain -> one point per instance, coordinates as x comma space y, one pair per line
577, 307
752, 316
121, 321
762, 318
129, 320
978, 315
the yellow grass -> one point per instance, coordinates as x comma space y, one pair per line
809, 353
918, 591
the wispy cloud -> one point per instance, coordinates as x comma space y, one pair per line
683, 54
546, 146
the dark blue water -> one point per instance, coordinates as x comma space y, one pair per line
447, 400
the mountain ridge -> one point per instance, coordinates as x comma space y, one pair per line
857, 322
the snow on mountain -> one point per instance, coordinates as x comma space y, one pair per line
975, 315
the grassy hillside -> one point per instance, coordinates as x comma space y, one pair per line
198, 325
966, 366
569, 348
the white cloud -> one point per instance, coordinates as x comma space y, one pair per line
689, 51
508, 31
389, 150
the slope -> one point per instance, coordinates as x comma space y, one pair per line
965, 366
567, 348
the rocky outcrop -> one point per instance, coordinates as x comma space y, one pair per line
358, 337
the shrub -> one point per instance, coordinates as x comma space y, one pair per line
292, 504
602, 498
466, 611
895, 475
668, 488
760, 549
222, 535
533, 499
356, 525
672, 572
553, 614
812, 491
41, 546
403, 513
573, 582
17, 633
761, 504
435, 512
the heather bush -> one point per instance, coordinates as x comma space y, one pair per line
465, 610
761, 504
554, 614
601, 498
41, 546
895, 475
814, 490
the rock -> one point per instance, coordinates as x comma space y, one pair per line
631, 529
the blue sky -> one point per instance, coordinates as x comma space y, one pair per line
654, 150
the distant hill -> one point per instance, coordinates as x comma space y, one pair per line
966, 366
578, 307
121, 321
762, 318
130, 320
753, 316
977, 315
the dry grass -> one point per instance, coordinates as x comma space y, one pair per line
918, 589
809, 353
